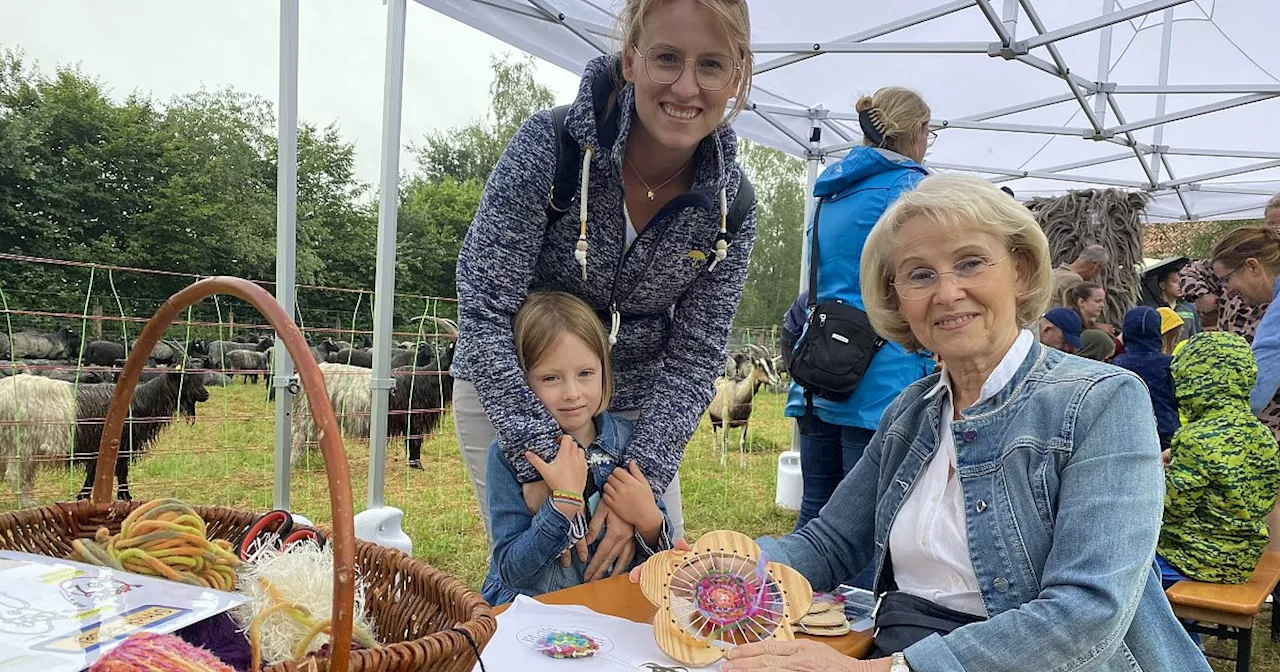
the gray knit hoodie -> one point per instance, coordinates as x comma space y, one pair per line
675, 312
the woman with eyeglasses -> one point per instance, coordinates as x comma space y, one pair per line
1011, 503
1247, 264
646, 239
853, 193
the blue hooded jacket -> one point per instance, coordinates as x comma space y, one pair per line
854, 193
1143, 356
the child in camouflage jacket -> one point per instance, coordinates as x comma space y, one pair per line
1223, 472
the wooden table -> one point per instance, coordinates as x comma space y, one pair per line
617, 596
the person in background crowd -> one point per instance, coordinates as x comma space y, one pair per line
1172, 328
1223, 470
1060, 329
854, 192
1170, 283
1144, 355
1086, 268
1231, 313
1098, 346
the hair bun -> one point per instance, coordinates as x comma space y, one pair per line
864, 104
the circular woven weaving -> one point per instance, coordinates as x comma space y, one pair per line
725, 597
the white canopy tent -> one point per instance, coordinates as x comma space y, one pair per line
1172, 97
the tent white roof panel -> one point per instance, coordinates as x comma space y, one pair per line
1174, 97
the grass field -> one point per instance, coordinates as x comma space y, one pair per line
225, 458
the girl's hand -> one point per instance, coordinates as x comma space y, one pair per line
628, 494
568, 471
801, 655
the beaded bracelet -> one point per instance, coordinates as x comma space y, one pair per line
567, 495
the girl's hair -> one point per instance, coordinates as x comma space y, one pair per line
896, 115
544, 317
735, 21
1169, 339
1256, 242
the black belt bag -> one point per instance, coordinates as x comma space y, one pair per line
835, 351
903, 620
837, 344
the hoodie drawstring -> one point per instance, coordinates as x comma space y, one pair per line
581, 252
722, 238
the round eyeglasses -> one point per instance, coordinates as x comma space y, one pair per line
966, 273
665, 65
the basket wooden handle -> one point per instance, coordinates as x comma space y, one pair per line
335, 459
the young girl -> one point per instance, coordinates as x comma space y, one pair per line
564, 353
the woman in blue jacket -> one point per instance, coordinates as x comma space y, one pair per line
854, 193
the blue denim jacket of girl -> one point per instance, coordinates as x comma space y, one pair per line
1063, 495
525, 559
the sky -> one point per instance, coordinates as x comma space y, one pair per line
163, 48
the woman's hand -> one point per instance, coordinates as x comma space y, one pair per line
616, 550
802, 655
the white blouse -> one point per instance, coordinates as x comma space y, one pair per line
928, 543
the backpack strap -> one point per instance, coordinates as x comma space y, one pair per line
742, 202
568, 153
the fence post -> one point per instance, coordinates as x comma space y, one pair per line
231, 324
97, 322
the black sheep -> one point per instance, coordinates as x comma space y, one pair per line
102, 353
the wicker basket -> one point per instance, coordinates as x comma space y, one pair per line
420, 614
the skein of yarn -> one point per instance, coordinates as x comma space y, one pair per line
151, 652
167, 539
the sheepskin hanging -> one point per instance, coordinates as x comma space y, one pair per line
1107, 217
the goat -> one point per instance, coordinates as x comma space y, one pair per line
217, 350
418, 399
43, 418
731, 407
320, 353
102, 353
249, 363
63, 343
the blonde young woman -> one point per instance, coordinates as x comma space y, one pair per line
644, 244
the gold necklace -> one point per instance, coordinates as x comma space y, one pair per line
649, 191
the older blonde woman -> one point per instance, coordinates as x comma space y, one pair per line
1010, 503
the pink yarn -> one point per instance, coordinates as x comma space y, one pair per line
151, 652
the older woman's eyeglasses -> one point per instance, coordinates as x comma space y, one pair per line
967, 273
665, 65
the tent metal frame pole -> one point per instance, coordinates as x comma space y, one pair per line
1063, 71
997, 22
872, 33
1021, 107
1107, 19
1166, 46
1104, 65
1227, 153
1011, 18
816, 48
286, 241
560, 18
1217, 174
1087, 179
552, 17
1193, 89
385, 283
1086, 163
768, 117
1076, 132
1192, 112
1222, 189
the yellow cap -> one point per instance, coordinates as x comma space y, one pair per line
1168, 319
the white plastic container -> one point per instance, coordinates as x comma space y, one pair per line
790, 483
382, 526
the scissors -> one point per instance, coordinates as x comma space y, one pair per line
274, 529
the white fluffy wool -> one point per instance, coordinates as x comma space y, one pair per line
304, 576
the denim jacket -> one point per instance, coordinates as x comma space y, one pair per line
527, 547
1063, 493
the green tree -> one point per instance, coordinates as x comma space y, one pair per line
471, 152
433, 220
775, 261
